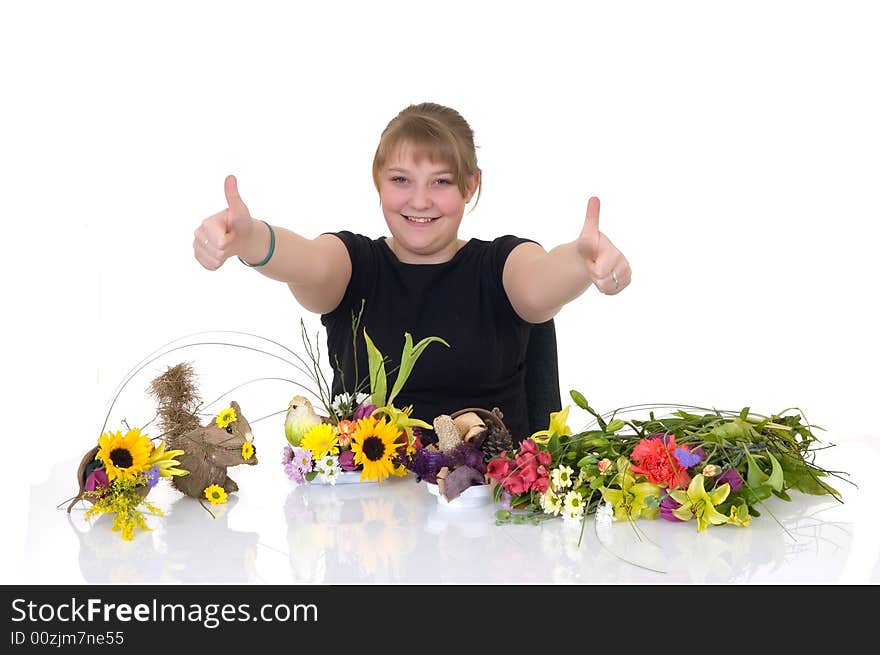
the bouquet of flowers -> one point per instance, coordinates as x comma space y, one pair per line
117, 474
467, 440
361, 431
714, 467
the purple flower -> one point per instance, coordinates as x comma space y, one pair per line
505, 501
97, 478
425, 463
732, 477
667, 505
687, 458
363, 411
152, 476
297, 462
346, 461
464, 454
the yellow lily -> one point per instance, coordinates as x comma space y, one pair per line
739, 515
400, 418
632, 500
699, 503
558, 426
165, 460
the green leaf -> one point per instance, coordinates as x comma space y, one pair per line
502, 515
800, 478
776, 478
782, 494
756, 494
744, 414
553, 446
579, 399
756, 477
408, 360
311, 475
378, 382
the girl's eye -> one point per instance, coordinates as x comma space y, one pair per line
398, 178
441, 181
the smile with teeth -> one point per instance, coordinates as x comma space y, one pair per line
420, 219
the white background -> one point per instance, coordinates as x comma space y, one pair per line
734, 148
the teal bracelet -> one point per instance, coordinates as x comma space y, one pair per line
271, 250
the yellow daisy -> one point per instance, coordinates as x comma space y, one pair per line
215, 494
247, 450
321, 440
226, 417
124, 456
373, 445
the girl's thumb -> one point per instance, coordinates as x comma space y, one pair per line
230, 186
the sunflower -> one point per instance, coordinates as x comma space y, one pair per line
321, 440
247, 450
215, 494
226, 417
374, 448
126, 456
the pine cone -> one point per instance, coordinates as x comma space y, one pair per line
496, 441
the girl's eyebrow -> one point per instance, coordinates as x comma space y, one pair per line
403, 170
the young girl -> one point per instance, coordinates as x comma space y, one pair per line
481, 297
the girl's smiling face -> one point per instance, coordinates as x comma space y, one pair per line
423, 207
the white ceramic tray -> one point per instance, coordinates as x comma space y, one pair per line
475, 496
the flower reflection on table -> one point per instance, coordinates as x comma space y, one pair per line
354, 532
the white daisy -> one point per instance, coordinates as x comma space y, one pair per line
551, 503
561, 477
345, 403
328, 469
573, 506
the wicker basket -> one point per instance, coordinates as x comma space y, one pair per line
493, 419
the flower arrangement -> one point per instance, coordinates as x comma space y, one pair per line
119, 472
467, 440
361, 431
714, 467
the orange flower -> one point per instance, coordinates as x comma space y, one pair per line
654, 458
346, 431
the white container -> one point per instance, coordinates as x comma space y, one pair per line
475, 496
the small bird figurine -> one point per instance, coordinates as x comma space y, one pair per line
301, 417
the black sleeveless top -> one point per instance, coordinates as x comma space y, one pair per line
462, 301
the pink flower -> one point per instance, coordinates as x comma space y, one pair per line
654, 458
541, 484
346, 460
544, 458
97, 478
363, 411
499, 468
603, 464
515, 484
528, 447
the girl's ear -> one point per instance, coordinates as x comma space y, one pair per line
472, 187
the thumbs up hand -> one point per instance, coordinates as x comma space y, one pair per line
607, 266
223, 234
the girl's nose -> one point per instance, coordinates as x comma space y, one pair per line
421, 198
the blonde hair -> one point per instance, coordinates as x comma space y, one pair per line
439, 133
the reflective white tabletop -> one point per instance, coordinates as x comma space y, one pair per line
397, 533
